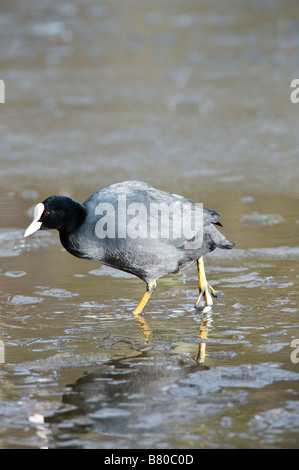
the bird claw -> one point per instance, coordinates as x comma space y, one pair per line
205, 297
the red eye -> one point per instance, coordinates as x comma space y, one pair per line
47, 213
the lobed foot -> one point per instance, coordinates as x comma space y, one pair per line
205, 298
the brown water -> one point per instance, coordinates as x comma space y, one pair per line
192, 97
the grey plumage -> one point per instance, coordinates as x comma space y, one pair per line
148, 258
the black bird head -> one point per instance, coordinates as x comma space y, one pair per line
56, 212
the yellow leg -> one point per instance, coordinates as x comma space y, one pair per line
150, 288
204, 288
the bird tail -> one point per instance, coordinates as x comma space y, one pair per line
218, 240
226, 244
213, 236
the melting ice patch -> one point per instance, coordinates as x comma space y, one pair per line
244, 376
261, 219
24, 299
60, 293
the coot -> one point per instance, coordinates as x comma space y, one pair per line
136, 228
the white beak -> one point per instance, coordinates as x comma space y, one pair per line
35, 225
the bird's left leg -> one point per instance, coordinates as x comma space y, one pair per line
204, 288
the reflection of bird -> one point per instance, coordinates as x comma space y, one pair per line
136, 228
204, 326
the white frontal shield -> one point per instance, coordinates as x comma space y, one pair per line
35, 225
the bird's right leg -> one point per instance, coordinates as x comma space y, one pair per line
204, 288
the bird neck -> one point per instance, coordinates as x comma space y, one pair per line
74, 218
